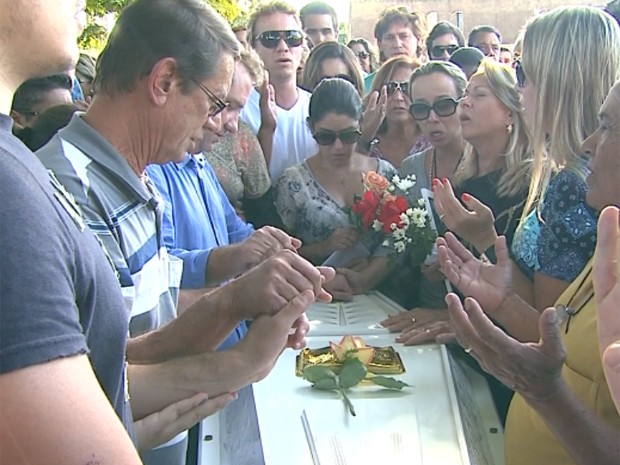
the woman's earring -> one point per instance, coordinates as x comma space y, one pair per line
509, 128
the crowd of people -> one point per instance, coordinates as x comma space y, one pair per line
160, 248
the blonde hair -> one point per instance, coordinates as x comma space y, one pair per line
517, 159
266, 9
312, 70
571, 55
252, 62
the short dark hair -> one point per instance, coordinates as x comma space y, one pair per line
467, 56
441, 29
318, 8
190, 31
484, 28
31, 92
49, 122
334, 95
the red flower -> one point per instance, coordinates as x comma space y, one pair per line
391, 211
366, 208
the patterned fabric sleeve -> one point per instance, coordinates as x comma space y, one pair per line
251, 161
568, 230
288, 187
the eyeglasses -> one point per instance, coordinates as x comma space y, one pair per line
520, 74
393, 86
444, 107
218, 106
440, 50
347, 137
271, 39
362, 55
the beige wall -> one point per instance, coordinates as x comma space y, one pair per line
507, 16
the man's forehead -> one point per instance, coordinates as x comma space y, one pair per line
278, 21
486, 37
397, 27
317, 20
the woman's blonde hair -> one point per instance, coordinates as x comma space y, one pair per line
517, 158
312, 74
571, 55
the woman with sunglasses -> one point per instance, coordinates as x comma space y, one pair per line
494, 167
365, 54
388, 130
311, 196
557, 237
331, 59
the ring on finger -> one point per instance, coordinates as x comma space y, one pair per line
413, 320
442, 216
468, 350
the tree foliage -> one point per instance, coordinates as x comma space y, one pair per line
95, 33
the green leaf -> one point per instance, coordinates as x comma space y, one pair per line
315, 373
347, 402
353, 371
326, 384
388, 383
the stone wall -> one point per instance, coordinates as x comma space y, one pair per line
507, 16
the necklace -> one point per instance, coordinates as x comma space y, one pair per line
580, 298
433, 170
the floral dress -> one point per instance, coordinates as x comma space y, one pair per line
307, 210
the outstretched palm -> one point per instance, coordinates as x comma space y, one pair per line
489, 284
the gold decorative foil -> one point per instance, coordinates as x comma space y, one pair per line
385, 362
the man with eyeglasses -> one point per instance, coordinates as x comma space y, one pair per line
319, 22
398, 31
154, 102
274, 33
444, 39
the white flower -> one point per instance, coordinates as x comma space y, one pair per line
377, 225
386, 243
399, 234
409, 212
405, 184
421, 202
400, 247
395, 179
405, 219
419, 217
393, 227
391, 188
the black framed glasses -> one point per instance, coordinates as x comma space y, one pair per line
362, 55
347, 137
444, 107
271, 39
393, 86
440, 50
520, 74
218, 106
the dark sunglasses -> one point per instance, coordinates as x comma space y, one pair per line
271, 39
393, 86
443, 107
440, 50
520, 74
349, 136
363, 55
218, 106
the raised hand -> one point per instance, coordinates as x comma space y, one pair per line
267, 104
475, 223
534, 369
489, 284
374, 114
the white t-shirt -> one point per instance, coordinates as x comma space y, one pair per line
292, 141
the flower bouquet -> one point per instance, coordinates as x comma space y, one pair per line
384, 210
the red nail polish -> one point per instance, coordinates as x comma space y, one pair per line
465, 197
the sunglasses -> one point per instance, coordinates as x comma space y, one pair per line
271, 39
440, 50
218, 106
444, 107
347, 137
393, 86
520, 74
362, 55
